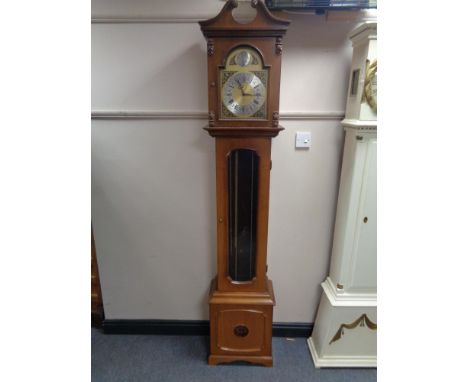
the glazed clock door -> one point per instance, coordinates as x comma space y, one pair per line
242, 191
242, 224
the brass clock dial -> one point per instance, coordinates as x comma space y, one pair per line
243, 94
243, 58
244, 82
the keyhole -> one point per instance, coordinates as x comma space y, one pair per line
365, 219
241, 331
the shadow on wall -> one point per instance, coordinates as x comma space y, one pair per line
205, 143
320, 51
154, 208
312, 32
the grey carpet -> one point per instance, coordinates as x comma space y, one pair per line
135, 358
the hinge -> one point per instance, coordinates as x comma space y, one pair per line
271, 164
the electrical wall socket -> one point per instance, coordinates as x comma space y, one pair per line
303, 139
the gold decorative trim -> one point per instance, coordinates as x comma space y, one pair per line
368, 96
361, 321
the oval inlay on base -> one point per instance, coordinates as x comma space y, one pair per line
241, 331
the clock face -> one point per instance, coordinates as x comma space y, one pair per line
244, 84
244, 94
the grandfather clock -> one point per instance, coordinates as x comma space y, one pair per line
345, 329
244, 63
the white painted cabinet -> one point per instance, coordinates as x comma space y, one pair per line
345, 329
353, 264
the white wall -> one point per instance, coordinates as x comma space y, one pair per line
153, 189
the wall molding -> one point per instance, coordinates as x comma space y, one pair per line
342, 16
152, 20
157, 114
192, 327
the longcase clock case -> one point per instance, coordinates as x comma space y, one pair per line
243, 102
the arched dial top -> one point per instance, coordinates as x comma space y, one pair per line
244, 83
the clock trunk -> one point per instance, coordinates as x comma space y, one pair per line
243, 100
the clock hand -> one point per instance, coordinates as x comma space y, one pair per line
239, 85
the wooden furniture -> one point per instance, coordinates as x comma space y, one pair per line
244, 63
345, 329
97, 311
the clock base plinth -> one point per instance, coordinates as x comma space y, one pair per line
241, 326
259, 360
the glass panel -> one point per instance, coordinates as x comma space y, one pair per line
242, 199
354, 82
